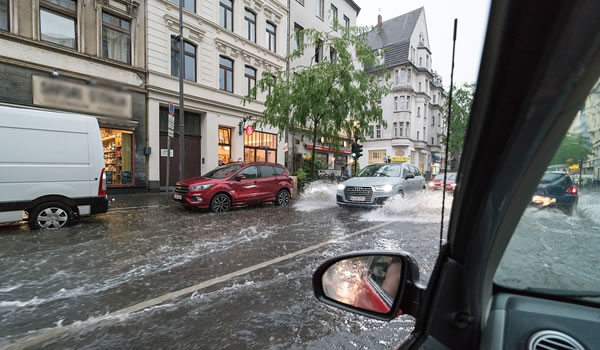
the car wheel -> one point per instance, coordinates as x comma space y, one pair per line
51, 215
283, 198
220, 203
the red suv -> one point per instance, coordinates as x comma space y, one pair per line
236, 184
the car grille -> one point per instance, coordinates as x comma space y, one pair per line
366, 192
182, 189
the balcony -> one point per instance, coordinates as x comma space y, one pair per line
435, 148
403, 87
401, 141
420, 144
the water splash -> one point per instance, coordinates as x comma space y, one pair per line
421, 207
317, 195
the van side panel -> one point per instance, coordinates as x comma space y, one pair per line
95, 156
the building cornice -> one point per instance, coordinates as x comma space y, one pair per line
226, 48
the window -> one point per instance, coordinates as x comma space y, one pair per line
417, 135
301, 2
332, 54
378, 131
260, 147
433, 98
250, 27
270, 37
299, 33
419, 86
395, 103
408, 105
420, 61
433, 120
58, 22
226, 14
266, 171
401, 129
189, 70
418, 111
225, 74
395, 129
432, 140
407, 129
319, 51
334, 15
4, 15
380, 81
346, 22
116, 38
187, 4
250, 172
250, 74
320, 8
424, 134
224, 145
277, 171
408, 75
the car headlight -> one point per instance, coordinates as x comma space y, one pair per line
385, 188
200, 187
341, 187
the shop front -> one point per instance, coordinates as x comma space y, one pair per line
224, 145
260, 147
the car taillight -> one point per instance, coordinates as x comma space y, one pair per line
572, 190
102, 184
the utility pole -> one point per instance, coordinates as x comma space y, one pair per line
181, 108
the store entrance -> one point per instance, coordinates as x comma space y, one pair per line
118, 157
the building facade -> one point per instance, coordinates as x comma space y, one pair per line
412, 110
86, 57
319, 15
229, 44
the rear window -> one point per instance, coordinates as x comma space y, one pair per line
552, 178
265, 171
277, 170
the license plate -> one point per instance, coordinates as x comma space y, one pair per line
358, 198
177, 196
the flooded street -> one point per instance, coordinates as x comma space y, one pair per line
68, 285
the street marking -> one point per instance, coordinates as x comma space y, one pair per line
49, 333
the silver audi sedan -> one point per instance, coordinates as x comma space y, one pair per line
378, 182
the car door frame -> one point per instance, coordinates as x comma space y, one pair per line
241, 186
516, 124
266, 184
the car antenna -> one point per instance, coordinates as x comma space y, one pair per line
448, 132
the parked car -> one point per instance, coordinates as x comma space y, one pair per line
51, 167
378, 182
236, 184
438, 182
556, 190
505, 277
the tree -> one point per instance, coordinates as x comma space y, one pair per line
462, 100
329, 98
573, 150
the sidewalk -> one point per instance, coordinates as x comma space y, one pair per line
136, 200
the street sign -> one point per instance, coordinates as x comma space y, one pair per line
171, 109
249, 130
171, 125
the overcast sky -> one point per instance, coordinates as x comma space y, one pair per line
472, 21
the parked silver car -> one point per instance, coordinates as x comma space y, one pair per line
378, 182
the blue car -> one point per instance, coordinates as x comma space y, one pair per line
556, 190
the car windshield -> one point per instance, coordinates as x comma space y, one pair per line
554, 249
223, 171
449, 176
381, 170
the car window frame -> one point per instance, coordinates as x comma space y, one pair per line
247, 167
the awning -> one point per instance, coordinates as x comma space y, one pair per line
117, 123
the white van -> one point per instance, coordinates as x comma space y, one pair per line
51, 167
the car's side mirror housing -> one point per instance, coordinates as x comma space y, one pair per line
240, 177
376, 284
409, 176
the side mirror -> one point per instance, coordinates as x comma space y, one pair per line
240, 177
380, 285
409, 176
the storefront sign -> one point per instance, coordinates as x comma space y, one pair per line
285, 147
326, 149
249, 130
55, 93
164, 152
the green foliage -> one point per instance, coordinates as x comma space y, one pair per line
459, 120
330, 98
573, 149
301, 175
355, 172
308, 164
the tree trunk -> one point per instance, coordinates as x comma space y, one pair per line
312, 157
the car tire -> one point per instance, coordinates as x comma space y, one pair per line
50, 215
283, 198
220, 203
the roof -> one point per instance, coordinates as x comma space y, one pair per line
394, 37
354, 6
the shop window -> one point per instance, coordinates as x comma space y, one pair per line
260, 147
118, 156
116, 38
58, 22
250, 26
4, 17
271, 37
189, 70
225, 74
224, 145
226, 14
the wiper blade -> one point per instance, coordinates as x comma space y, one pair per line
565, 293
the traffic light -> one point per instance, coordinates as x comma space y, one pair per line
358, 150
354, 150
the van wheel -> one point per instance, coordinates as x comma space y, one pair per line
283, 198
50, 215
220, 203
